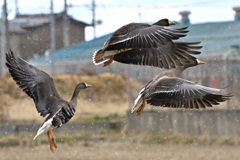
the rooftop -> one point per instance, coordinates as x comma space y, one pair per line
22, 22
217, 38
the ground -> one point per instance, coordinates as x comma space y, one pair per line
105, 145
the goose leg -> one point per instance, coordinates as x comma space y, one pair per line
53, 138
140, 109
108, 62
50, 142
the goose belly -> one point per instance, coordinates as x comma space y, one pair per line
63, 116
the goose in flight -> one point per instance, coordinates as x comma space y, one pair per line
168, 90
40, 87
151, 45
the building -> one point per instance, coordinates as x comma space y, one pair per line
29, 35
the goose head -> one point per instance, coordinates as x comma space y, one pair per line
79, 87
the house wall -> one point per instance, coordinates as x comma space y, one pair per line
76, 32
15, 41
15, 44
37, 40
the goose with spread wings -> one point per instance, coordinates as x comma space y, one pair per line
168, 90
151, 45
40, 87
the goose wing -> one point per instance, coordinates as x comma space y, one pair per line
177, 92
152, 45
169, 55
141, 35
35, 83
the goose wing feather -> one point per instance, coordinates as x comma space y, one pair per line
36, 84
177, 92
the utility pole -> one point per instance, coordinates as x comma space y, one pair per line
93, 19
4, 36
52, 38
16, 7
65, 26
139, 14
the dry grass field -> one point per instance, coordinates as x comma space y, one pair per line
116, 145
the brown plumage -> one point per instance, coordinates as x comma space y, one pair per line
151, 45
167, 90
40, 87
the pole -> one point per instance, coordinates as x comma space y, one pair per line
93, 19
139, 13
227, 78
129, 87
16, 7
4, 36
65, 26
52, 38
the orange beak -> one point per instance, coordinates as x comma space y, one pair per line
200, 62
171, 23
88, 85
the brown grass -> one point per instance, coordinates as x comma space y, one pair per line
108, 145
108, 95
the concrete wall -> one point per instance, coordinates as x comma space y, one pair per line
187, 122
31, 128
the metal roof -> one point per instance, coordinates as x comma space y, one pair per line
22, 22
79, 51
216, 38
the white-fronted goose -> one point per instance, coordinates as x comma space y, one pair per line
145, 44
40, 87
167, 90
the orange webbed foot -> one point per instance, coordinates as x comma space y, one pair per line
140, 109
108, 62
52, 141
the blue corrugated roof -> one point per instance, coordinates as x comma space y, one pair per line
216, 38
81, 51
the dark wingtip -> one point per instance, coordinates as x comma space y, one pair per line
9, 57
8, 53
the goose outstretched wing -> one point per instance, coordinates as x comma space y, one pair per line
180, 93
35, 83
